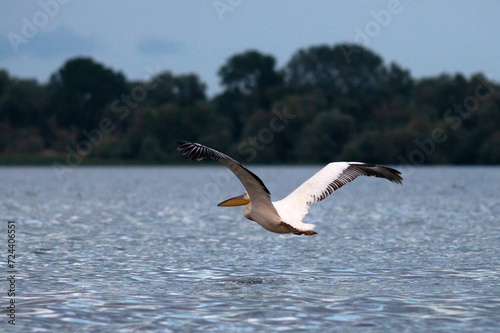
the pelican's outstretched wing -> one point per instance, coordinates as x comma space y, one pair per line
325, 182
258, 192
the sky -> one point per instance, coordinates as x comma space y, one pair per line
144, 38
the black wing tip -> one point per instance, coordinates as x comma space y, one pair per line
381, 171
396, 175
182, 145
194, 151
392, 174
197, 151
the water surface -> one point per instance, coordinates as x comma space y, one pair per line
128, 249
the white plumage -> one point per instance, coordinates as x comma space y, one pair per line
286, 215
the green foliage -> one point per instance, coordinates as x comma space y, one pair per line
489, 151
183, 89
80, 90
342, 70
327, 103
330, 130
248, 72
251, 74
21, 103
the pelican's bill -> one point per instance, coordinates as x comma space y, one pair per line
240, 200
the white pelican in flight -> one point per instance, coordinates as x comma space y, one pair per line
285, 216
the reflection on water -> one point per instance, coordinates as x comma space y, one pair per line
137, 249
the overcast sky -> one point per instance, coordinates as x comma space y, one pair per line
140, 37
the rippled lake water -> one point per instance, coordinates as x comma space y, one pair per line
128, 249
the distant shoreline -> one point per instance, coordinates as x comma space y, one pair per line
40, 160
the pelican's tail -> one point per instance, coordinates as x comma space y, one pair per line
304, 229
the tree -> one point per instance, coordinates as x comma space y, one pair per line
345, 69
4, 81
22, 103
251, 72
323, 138
189, 89
186, 89
441, 92
81, 89
398, 81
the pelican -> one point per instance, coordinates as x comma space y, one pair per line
285, 216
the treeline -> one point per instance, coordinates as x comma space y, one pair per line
327, 103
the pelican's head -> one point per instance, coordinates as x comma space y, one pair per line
240, 200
